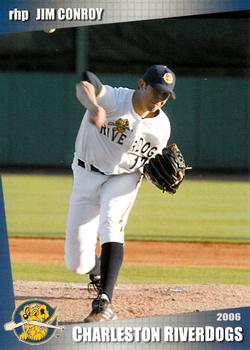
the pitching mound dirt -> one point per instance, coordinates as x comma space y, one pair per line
73, 300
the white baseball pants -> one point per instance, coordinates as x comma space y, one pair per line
99, 207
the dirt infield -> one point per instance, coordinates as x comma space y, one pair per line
73, 300
141, 252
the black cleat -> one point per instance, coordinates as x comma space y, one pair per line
95, 283
101, 311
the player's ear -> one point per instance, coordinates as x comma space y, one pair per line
142, 84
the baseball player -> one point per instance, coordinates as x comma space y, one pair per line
120, 131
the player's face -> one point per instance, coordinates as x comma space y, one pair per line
155, 99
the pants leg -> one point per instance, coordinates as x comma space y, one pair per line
83, 220
117, 198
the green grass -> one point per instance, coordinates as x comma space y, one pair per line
137, 274
206, 211
36, 205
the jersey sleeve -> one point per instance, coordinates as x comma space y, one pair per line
165, 135
109, 98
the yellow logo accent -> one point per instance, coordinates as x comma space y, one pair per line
34, 322
168, 78
120, 125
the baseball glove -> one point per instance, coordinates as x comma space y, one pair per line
167, 170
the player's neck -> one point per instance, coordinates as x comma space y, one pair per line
139, 107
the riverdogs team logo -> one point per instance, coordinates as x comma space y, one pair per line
168, 78
34, 322
120, 125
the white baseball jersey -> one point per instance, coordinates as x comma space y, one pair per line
127, 141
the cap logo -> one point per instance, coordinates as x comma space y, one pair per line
168, 78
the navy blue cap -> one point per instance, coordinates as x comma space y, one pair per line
161, 78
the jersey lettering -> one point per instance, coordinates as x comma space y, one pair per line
143, 147
113, 134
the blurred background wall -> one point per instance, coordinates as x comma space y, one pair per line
210, 121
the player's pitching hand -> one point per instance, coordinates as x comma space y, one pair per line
98, 116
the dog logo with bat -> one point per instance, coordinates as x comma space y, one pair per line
34, 322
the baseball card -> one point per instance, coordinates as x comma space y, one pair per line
124, 182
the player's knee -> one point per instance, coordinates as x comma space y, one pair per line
71, 265
78, 266
79, 269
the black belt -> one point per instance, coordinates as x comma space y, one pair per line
92, 167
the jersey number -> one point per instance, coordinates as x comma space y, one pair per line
139, 160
